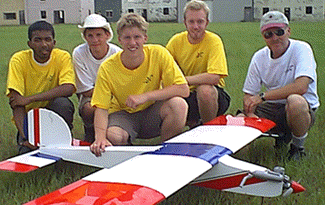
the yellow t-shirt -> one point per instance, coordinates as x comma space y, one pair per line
115, 82
208, 56
28, 77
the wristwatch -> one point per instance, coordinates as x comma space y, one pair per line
262, 95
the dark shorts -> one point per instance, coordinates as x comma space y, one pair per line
193, 110
143, 124
64, 107
276, 113
82, 101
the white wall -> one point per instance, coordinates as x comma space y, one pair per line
154, 8
74, 10
297, 8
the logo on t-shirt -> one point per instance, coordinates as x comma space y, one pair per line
148, 79
289, 69
51, 77
199, 54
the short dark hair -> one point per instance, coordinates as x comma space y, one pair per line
40, 26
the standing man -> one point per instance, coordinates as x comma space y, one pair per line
200, 55
139, 92
287, 69
87, 58
41, 77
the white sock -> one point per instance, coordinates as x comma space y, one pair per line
299, 141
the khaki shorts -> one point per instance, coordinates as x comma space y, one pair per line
144, 124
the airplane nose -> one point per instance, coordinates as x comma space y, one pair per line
297, 187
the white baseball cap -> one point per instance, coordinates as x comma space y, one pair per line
96, 21
273, 19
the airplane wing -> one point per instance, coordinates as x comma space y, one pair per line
144, 179
153, 175
149, 174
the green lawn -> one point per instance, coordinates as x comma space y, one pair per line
241, 40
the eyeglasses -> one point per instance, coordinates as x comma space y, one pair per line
269, 34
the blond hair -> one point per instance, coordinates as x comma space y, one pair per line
132, 20
196, 5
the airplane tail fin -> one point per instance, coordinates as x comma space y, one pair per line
44, 127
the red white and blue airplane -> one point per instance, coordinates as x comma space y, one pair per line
149, 174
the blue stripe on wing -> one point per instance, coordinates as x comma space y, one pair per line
207, 152
46, 156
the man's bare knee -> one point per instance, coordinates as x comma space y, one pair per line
117, 136
207, 93
297, 103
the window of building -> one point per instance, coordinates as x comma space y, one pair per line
10, 16
43, 14
130, 10
109, 13
309, 10
266, 9
166, 11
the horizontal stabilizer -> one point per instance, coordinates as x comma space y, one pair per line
27, 162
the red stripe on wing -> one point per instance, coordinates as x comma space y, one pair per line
77, 142
85, 192
16, 167
261, 124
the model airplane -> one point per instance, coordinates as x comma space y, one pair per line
149, 174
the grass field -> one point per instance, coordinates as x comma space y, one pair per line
241, 40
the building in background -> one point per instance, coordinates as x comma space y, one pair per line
152, 10
295, 10
12, 12
111, 9
58, 11
16, 12
230, 11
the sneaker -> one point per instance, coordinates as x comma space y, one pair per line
296, 153
23, 149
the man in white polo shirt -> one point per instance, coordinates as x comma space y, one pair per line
287, 69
